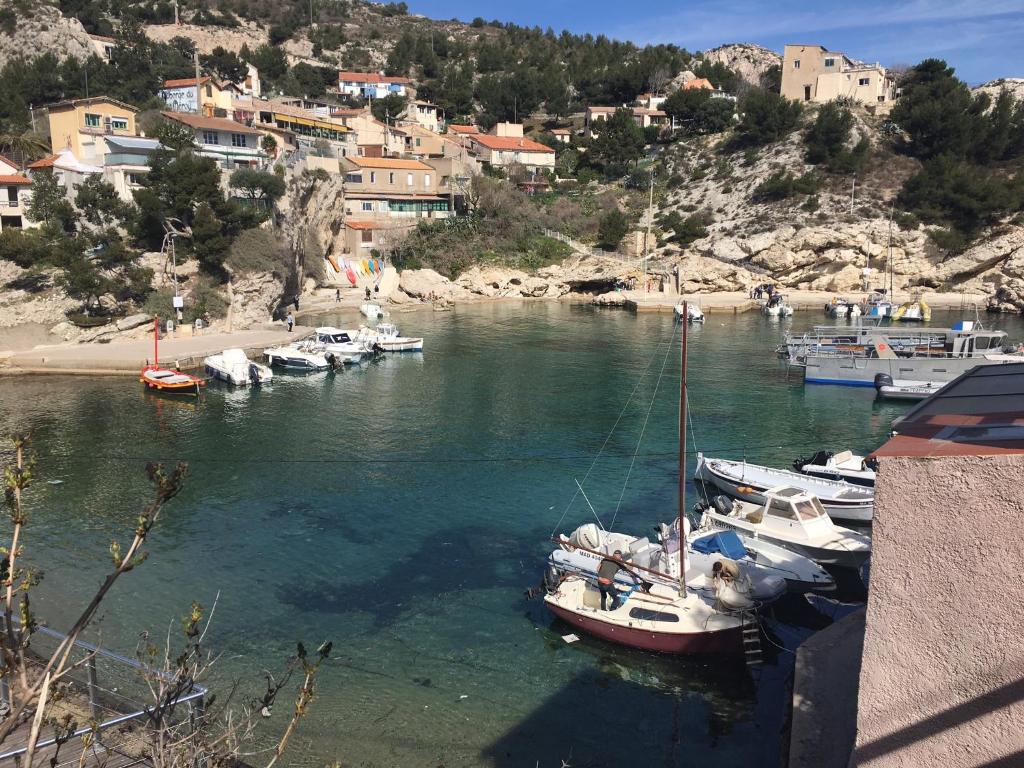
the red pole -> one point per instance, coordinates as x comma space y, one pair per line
685, 319
156, 337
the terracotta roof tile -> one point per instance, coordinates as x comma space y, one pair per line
463, 129
46, 162
184, 82
209, 123
371, 77
360, 224
18, 179
394, 163
510, 143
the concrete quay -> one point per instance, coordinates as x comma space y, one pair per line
126, 358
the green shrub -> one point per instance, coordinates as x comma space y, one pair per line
613, 227
259, 250
765, 117
782, 184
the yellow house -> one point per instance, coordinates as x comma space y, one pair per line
81, 124
814, 73
214, 98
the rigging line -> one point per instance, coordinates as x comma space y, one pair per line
579, 485
643, 429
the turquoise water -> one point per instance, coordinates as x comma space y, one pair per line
401, 510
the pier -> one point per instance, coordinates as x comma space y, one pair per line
735, 302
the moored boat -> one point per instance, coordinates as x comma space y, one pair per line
370, 310
693, 313
340, 344
167, 380
304, 356
234, 367
751, 481
844, 465
842, 307
888, 389
791, 518
387, 337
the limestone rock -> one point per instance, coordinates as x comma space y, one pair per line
424, 283
45, 30
610, 299
133, 321
748, 61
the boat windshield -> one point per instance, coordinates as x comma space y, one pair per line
781, 508
334, 338
807, 509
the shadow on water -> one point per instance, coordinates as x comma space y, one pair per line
634, 709
438, 566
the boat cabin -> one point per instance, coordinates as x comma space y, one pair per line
329, 335
790, 512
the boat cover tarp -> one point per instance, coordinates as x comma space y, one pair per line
726, 542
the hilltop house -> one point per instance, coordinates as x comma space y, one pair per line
698, 83
81, 125
814, 73
232, 145
209, 97
15, 189
425, 114
371, 85
562, 135
642, 116
306, 129
103, 46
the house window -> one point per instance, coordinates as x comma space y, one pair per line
408, 180
830, 62
864, 81
367, 235
91, 120
12, 196
119, 123
373, 177
238, 140
133, 179
209, 91
796, 64
418, 142
210, 137
353, 178
426, 179
391, 178
367, 206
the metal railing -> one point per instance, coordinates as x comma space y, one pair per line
113, 688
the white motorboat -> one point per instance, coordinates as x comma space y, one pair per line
901, 389
791, 518
694, 314
750, 481
842, 307
777, 307
340, 344
387, 337
370, 310
303, 356
234, 367
844, 465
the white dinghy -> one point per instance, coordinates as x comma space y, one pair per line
387, 337
791, 518
844, 465
842, 500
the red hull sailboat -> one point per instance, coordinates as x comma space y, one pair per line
164, 379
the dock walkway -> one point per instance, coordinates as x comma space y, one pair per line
127, 357
735, 302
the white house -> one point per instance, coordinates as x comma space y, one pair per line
231, 144
371, 85
503, 151
14, 195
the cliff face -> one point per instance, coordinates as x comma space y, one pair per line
40, 29
747, 60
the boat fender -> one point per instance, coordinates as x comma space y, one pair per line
722, 504
744, 489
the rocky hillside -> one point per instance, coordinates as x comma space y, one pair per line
747, 60
31, 29
821, 239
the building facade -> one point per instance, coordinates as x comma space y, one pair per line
208, 98
371, 85
814, 73
15, 192
232, 145
390, 188
81, 125
505, 151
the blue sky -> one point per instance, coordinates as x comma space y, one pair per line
983, 40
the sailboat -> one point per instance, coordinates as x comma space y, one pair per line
662, 616
167, 380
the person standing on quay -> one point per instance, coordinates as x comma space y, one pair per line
291, 321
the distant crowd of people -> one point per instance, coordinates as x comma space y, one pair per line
765, 289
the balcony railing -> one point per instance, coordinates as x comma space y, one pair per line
108, 696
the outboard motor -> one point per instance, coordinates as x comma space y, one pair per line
722, 504
333, 361
882, 380
254, 375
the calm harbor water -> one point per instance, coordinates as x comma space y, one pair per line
400, 510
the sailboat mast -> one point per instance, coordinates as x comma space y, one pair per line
156, 337
682, 453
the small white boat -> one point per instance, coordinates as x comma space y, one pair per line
387, 337
234, 367
370, 310
791, 518
340, 345
693, 313
304, 356
900, 389
777, 307
842, 307
844, 465
750, 482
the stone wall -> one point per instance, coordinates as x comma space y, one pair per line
942, 677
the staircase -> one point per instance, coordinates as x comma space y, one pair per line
751, 639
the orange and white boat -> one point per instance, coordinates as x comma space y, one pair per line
163, 379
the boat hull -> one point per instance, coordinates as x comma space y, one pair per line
752, 491
295, 363
861, 371
841, 558
725, 641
